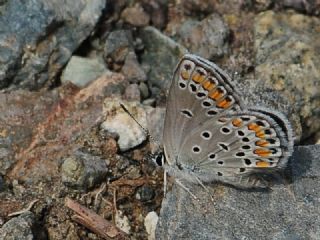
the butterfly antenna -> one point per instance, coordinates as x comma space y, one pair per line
146, 131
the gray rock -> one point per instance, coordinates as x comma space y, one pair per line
119, 122
6, 159
161, 56
208, 38
132, 93
83, 171
3, 185
132, 69
309, 7
144, 90
145, 194
82, 71
38, 37
287, 53
288, 211
117, 46
18, 228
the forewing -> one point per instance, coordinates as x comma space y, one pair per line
199, 92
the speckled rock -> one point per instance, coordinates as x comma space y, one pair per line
160, 57
81, 71
120, 123
117, 46
18, 228
290, 210
208, 38
310, 7
145, 194
53, 124
38, 37
287, 56
83, 171
132, 93
136, 16
132, 69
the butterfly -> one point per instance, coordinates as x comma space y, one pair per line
210, 134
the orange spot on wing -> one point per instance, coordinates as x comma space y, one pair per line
208, 85
185, 75
254, 127
237, 122
260, 134
262, 143
262, 164
225, 103
198, 78
217, 94
262, 152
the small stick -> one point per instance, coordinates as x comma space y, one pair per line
94, 222
129, 182
23, 210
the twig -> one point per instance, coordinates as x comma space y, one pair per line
129, 182
24, 210
94, 222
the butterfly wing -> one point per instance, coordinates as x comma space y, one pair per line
211, 135
184, 111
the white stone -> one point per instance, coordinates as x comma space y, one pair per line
122, 222
119, 122
150, 223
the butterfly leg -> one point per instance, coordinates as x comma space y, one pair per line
185, 188
204, 187
165, 183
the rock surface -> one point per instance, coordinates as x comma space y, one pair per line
60, 126
207, 38
287, 53
161, 53
83, 171
81, 71
19, 227
38, 38
290, 210
130, 134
